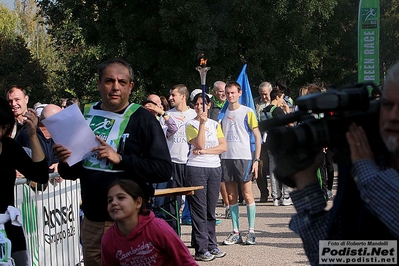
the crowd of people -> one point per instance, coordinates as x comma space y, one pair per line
184, 140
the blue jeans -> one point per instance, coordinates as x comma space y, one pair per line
159, 201
186, 215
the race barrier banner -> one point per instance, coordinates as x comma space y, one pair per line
368, 41
51, 221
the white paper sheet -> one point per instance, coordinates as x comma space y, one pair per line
69, 128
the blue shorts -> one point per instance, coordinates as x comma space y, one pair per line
236, 170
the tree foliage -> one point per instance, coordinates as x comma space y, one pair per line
32, 28
18, 67
295, 41
8, 22
29, 58
389, 39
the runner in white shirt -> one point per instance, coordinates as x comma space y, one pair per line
177, 143
237, 164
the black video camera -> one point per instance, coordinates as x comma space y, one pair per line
321, 121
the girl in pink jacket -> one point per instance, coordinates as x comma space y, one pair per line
138, 237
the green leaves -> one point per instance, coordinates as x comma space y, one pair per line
18, 67
8, 22
300, 42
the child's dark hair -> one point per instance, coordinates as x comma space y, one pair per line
132, 189
6, 115
165, 103
274, 93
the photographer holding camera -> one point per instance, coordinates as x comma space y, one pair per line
366, 205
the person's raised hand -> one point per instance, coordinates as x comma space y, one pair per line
30, 121
153, 107
203, 117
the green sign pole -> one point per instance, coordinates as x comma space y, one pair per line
368, 41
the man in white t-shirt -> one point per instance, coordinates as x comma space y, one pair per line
177, 143
237, 164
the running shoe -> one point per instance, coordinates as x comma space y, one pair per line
232, 239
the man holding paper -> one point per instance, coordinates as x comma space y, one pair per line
131, 145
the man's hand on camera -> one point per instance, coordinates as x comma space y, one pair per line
358, 143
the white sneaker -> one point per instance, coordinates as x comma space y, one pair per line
287, 202
276, 202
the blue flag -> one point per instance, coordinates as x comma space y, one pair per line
245, 99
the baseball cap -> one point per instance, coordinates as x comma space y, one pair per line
195, 92
39, 108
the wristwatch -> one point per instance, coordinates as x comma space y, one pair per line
257, 160
164, 114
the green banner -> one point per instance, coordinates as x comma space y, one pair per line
368, 41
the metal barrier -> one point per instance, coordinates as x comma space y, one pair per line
51, 220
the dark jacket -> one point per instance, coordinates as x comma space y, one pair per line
146, 160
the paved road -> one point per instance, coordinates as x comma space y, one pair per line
276, 243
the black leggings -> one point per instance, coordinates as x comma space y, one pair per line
16, 236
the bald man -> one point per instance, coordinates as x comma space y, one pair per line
154, 105
44, 136
49, 110
218, 99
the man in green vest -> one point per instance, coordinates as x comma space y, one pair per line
218, 99
132, 146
